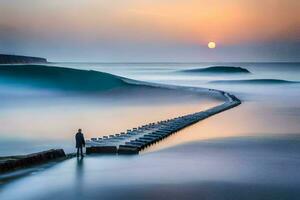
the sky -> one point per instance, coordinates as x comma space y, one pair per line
151, 30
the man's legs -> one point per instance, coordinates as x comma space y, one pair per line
77, 151
81, 153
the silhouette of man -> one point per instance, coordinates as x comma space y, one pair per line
80, 142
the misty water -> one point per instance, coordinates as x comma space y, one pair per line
249, 152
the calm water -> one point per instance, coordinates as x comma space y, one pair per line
267, 108
35, 123
33, 119
249, 152
232, 169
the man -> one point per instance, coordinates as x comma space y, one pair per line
80, 142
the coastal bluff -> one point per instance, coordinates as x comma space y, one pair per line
17, 59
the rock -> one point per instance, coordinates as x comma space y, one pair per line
16, 162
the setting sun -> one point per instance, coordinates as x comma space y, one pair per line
211, 45
193, 97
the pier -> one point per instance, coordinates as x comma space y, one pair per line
134, 140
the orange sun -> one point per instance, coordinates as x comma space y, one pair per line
211, 45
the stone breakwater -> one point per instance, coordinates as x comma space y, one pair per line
16, 162
136, 139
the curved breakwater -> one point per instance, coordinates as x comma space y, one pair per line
134, 140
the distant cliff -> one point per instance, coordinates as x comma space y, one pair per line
14, 59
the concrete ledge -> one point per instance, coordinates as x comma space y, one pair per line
101, 149
16, 162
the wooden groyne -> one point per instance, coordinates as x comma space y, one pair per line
16, 162
133, 141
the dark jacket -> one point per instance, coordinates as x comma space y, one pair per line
79, 140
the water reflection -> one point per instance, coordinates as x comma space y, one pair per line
79, 177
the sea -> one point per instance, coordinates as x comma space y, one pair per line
249, 152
